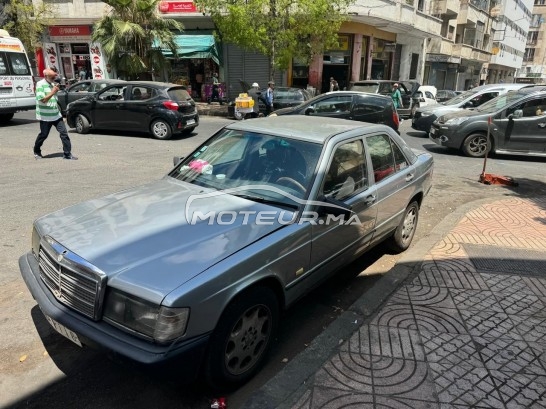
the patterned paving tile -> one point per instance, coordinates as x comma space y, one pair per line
489, 323
450, 349
387, 342
475, 300
521, 303
508, 284
424, 295
504, 354
396, 316
532, 329
450, 279
519, 390
439, 320
346, 372
469, 386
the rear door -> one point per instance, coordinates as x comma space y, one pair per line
333, 106
139, 106
367, 108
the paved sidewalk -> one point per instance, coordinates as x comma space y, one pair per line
212, 109
467, 328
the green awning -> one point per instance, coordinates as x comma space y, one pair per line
195, 46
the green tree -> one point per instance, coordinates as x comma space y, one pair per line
26, 21
132, 36
280, 29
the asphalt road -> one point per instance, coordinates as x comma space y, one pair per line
42, 369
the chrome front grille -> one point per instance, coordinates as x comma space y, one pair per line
73, 284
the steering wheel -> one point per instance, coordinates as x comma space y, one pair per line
292, 182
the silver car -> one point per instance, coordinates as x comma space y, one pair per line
197, 266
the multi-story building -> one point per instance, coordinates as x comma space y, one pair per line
532, 69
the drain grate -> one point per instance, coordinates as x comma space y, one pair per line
506, 260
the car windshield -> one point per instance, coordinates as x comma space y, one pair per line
259, 166
500, 102
366, 87
460, 98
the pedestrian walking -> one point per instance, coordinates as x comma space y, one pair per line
269, 98
47, 112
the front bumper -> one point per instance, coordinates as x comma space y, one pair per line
100, 334
422, 123
443, 136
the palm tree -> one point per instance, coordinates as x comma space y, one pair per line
132, 36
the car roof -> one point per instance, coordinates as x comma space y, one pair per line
493, 87
370, 94
529, 89
155, 84
307, 128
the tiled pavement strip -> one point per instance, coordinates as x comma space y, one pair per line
466, 330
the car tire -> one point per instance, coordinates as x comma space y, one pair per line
82, 124
160, 129
403, 235
475, 145
243, 336
5, 118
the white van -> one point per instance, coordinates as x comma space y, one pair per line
16, 80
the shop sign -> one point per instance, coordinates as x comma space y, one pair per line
50, 55
97, 62
177, 7
70, 33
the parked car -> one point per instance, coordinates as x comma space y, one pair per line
518, 125
159, 108
283, 97
446, 94
355, 105
195, 268
81, 89
425, 96
408, 90
473, 98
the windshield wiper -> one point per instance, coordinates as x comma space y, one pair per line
261, 199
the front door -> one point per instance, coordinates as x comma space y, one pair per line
333, 106
108, 112
346, 180
527, 133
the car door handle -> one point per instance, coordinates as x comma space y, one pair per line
409, 177
370, 200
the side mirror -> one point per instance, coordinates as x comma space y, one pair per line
177, 160
309, 110
334, 207
518, 113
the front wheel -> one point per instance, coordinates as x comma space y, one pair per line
244, 334
476, 145
403, 235
161, 129
82, 124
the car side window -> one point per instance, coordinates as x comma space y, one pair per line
334, 104
81, 87
115, 93
368, 105
141, 93
381, 152
534, 107
347, 172
428, 94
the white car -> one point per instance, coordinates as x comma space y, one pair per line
425, 95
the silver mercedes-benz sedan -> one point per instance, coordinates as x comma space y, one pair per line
197, 266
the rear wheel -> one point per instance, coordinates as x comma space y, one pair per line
403, 235
161, 129
82, 124
4, 118
242, 338
475, 145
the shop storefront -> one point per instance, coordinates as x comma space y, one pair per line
69, 50
336, 63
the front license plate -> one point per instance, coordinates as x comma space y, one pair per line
190, 122
65, 332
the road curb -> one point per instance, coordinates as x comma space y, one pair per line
286, 387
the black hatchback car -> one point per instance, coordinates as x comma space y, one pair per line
354, 105
408, 92
160, 108
518, 125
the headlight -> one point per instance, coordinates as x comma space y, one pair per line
456, 121
424, 113
162, 324
36, 236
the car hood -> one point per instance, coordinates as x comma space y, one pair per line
144, 240
459, 113
287, 110
440, 109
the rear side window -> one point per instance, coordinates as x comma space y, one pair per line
369, 105
178, 94
18, 64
